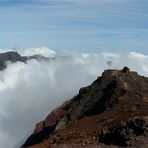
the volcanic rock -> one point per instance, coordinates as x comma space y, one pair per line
113, 110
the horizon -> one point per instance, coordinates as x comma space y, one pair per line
95, 26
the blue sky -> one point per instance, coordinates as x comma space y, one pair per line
85, 25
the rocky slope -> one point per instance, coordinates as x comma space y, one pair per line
113, 110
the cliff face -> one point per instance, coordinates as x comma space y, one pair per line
112, 110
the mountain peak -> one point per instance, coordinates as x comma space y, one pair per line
13, 57
10, 56
116, 101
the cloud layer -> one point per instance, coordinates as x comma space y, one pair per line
30, 91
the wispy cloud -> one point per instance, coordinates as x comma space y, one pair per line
32, 3
57, 21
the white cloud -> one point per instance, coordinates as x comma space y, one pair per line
44, 51
5, 50
138, 56
30, 91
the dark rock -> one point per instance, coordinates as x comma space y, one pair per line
124, 134
125, 69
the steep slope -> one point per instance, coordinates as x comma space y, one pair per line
112, 110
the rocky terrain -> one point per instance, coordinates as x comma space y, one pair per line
112, 111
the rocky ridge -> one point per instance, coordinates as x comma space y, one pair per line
113, 110
13, 57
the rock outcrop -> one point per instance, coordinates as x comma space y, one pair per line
113, 110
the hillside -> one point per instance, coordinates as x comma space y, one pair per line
113, 110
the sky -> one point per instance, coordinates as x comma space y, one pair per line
81, 25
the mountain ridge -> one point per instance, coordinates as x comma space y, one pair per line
114, 105
13, 57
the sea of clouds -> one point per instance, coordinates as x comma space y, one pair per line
28, 92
